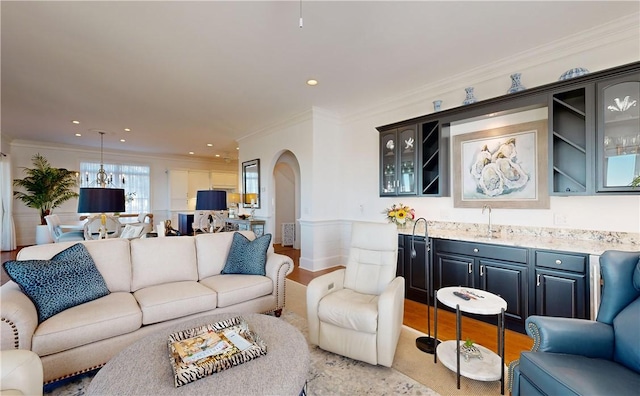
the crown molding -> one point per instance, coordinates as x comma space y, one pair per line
619, 30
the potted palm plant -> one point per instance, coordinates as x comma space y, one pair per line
45, 188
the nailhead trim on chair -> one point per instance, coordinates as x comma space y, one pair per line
16, 338
535, 335
511, 369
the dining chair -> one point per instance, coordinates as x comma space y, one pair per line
57, 234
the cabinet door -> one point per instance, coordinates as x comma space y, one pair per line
407, 140
416, 270
453, 270
561, 294
398, 155
618, 134
509, 282
198, 180
178, 190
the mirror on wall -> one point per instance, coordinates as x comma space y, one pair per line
251, 184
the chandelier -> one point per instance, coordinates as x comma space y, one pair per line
102, 178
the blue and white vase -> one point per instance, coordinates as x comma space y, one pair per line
516, 84
437, 105
470, 98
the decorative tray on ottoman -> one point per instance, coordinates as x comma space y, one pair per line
204, 350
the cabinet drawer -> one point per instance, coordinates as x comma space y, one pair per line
474, 249
563, 261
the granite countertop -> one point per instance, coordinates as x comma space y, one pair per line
569, 240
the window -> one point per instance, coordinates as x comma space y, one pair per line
133, 178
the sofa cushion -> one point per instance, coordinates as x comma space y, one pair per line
112, 258
109, 316
174, 300
156, 261
627, 341
349, 309
246, 256
70, 278
561, 374
234, 289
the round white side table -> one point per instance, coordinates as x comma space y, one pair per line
480, 302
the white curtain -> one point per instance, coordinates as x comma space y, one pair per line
7, 231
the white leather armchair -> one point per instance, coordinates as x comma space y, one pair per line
20, 373
357, 311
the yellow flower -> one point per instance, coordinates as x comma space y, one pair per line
401, 216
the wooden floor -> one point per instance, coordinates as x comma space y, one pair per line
415, 316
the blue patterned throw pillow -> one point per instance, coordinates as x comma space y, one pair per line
247, 257
70, 278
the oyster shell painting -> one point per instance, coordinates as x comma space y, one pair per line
500, 167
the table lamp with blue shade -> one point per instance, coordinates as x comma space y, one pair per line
101, 200
211, 200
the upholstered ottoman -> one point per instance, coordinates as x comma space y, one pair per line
144, 368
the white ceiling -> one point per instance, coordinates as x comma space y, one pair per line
184, 74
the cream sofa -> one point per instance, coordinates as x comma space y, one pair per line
153, 282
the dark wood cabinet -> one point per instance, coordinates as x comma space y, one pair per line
434, 155
501, 270
571, 141
531, 281
593, 143
561, 284
398, 161
618, 133
185, 223
414, 268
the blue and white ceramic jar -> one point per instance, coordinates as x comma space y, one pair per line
470, 98
437, 105
516, 84
573, 73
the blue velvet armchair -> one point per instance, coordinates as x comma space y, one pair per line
584, 357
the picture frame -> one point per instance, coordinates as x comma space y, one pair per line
502, 167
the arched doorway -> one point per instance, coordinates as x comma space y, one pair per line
286, 179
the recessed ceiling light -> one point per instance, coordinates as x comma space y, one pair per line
191, 153
217, 155
237, 148
209, 144
127, 129
75, 122
312, 82
122, 140
78, 134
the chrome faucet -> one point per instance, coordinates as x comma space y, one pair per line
489, 230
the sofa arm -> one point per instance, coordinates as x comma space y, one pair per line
19, 318
316, 290
571, 336
277, 268
20, 371
390, 314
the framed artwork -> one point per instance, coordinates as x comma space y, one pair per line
502, 167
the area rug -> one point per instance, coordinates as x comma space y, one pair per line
329, 374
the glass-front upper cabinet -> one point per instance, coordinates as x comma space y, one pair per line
398, 155
618, 134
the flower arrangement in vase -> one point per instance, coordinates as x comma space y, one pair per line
400, 214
